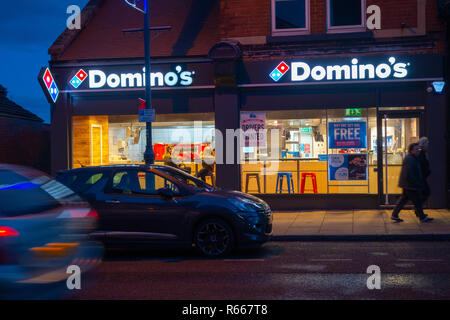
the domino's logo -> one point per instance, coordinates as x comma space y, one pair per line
50, 84
279, 71
78, 79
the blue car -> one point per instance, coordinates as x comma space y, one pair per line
163, 206
44, 229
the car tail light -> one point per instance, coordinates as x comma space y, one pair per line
79, 213
92, 213
8, 232
88, 213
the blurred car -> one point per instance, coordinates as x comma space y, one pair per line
164, 206
44, 228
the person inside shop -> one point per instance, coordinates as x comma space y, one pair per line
207, 166
425, 166
167, 157
413, 184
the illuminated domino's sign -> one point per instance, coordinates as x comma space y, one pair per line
100, 79
78, 79
354, 70
50, 84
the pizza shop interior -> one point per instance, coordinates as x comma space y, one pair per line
178, 140
310, 153
323, 151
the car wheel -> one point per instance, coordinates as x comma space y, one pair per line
214, 238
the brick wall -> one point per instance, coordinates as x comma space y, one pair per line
248, 18
25, 143
244, 18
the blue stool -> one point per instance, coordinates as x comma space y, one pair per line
289, 180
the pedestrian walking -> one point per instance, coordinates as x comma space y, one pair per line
425, 166
413, 184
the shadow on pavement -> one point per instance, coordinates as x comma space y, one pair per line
268, 250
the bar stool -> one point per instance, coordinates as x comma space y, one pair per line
247, 179
289, 180
314, 182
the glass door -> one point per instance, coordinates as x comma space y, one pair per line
397, 129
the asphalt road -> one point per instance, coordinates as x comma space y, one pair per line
279, 270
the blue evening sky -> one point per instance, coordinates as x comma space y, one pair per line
27, 29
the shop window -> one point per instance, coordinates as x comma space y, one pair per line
293, 150
181, 140
303, 150
345, 16
290, 17
348, 150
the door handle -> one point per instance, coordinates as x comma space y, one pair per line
112, 201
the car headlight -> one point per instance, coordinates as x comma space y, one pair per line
243, 205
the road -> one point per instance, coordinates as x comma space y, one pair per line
279, 270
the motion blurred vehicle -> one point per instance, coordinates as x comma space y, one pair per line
164, 206
44, 228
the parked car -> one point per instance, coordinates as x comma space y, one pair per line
164, 206
44, 228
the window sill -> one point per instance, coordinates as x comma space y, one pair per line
281, 33
320, 37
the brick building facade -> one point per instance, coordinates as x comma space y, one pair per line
231, 46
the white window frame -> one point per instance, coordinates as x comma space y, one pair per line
347, 29
292, 31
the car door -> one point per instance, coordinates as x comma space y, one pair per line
133, 211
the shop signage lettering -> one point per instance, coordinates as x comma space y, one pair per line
343, 135
100, 79
303, 71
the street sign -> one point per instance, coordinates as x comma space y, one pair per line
145, 115
140, 5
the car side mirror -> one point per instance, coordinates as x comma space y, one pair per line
166, 193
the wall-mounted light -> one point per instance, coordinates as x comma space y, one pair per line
438, 86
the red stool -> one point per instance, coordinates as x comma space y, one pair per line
314, 182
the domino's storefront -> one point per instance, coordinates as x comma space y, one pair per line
325, 132
342, 128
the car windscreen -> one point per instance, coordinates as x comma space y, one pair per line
20, 195
192, 181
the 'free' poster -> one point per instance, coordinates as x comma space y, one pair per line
344, 135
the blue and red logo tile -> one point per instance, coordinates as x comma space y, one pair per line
50, 84
78, 79
279, 71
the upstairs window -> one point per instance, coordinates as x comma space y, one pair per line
290, 17
346, 16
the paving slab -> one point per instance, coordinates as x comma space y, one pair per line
359, 225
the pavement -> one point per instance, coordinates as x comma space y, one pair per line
359, 225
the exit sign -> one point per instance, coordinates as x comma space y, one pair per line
306, 130
353, 112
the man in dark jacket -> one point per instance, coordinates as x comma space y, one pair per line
413, 184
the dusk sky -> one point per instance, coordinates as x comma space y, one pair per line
27, 29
